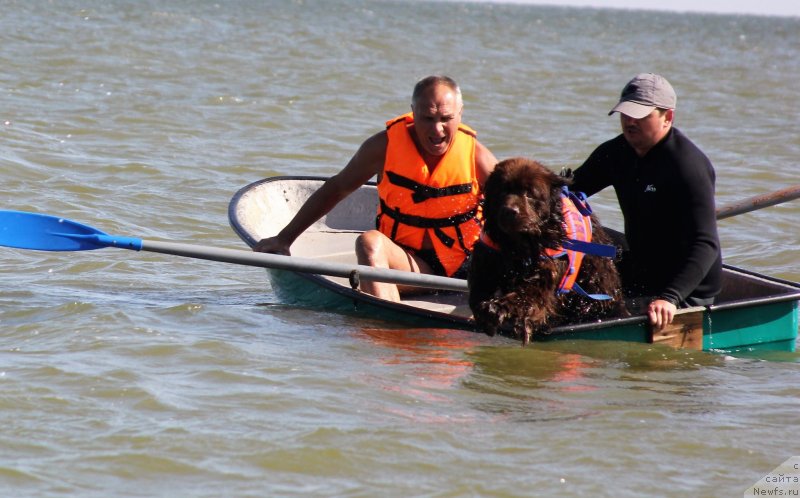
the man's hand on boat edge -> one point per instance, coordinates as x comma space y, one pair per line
272, 245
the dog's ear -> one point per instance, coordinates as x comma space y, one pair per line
497, 177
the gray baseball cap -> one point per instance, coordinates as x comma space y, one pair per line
642, 94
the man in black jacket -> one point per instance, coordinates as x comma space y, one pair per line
665, 187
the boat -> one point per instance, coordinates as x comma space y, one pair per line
754, 312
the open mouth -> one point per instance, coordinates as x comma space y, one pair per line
438, 143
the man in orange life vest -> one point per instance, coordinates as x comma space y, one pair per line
431, 170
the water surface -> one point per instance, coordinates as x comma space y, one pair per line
127, 374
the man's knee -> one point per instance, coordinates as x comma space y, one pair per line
370, 245
370, 241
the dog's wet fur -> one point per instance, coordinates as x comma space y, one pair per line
513, 289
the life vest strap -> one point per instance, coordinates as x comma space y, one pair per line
592, 248
579, 200
424, 192
446, 239
436, 224
424, 222
597, 297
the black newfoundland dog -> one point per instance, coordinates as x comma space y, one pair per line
521, 279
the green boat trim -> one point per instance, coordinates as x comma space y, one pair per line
757, 324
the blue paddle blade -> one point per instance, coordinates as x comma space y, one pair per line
50, 233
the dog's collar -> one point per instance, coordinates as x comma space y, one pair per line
488, 242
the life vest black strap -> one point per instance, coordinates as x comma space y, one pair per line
424, 192
446, 239
461, 239
424, 222
434, 223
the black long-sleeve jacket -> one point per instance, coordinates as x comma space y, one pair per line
667, 201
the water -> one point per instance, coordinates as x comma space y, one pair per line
127, 374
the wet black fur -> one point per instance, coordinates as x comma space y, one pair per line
515, 289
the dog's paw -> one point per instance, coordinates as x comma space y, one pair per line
489, 317
528, 326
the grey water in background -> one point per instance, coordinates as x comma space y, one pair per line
127, 374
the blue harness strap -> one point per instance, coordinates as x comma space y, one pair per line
597, 297
604, 250
592, 248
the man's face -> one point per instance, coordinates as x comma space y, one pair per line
642, 134
437, 114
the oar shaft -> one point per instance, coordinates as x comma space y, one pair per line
49, 233
304, 265
758, 202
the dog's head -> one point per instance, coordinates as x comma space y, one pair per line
523, 203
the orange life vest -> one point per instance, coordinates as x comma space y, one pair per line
443, 203
578, 226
